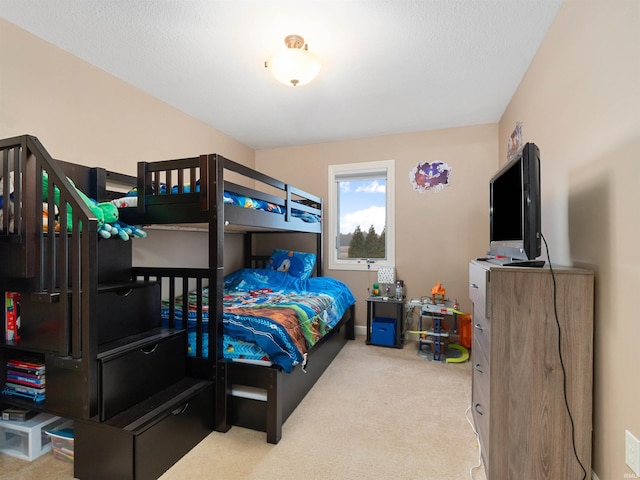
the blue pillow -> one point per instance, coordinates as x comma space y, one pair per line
297, 264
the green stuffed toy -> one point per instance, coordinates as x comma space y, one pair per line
97, 212
106, 213
112, 227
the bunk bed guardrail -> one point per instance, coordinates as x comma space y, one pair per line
195, 181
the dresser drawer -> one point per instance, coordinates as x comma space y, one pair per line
479, 286
480, 360
480, 406
481, 337
138, 370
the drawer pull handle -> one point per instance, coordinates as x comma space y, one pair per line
474, 285
477, 366
180, 410
149, 351
478, 327
478, 409
124, 292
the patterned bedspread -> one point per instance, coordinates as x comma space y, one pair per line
273, 315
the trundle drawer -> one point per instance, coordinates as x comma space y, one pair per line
136, 371
146, 440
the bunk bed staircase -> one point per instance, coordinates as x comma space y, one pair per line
137, 403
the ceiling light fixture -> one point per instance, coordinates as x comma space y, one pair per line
296, 65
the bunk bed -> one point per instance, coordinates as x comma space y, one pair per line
205, 190
70, 283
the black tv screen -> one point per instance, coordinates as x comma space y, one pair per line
515, 204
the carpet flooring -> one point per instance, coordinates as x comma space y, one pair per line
376, 413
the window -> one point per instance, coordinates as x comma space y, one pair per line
361, 215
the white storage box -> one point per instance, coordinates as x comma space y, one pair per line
28, 440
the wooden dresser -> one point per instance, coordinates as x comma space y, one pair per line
518, 399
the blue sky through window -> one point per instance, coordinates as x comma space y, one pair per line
362, 202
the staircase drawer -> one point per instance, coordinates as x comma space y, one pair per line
122, 310
128, 310
160, 446
145, 441
131, 374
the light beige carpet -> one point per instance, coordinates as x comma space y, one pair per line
376, 413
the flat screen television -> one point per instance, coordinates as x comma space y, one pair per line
514, 215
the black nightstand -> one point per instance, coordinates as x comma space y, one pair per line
381, 311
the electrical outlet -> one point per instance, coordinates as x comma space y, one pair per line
632, 451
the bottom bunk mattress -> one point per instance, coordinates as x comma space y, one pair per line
270, 317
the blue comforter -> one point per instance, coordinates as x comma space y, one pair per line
283, 315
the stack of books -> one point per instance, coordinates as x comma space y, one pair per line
25, 378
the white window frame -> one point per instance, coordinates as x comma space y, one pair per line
364, 168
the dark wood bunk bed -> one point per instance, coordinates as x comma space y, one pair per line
138, 401
177, 203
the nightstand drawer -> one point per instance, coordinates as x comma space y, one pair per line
479, 286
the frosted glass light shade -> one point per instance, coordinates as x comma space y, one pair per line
296, 65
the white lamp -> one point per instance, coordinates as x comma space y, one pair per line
296, 65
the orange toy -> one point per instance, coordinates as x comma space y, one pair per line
438, 293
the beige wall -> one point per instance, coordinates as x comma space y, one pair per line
82, 115
436, 233
580, 102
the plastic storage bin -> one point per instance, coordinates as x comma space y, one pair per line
383, 331
62, 442
27, 440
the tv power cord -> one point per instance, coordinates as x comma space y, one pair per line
564, 373
475, 432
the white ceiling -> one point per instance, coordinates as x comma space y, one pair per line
388, 66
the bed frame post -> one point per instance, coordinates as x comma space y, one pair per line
350, 327
247, 246
212, 167
274, 407
319, 255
